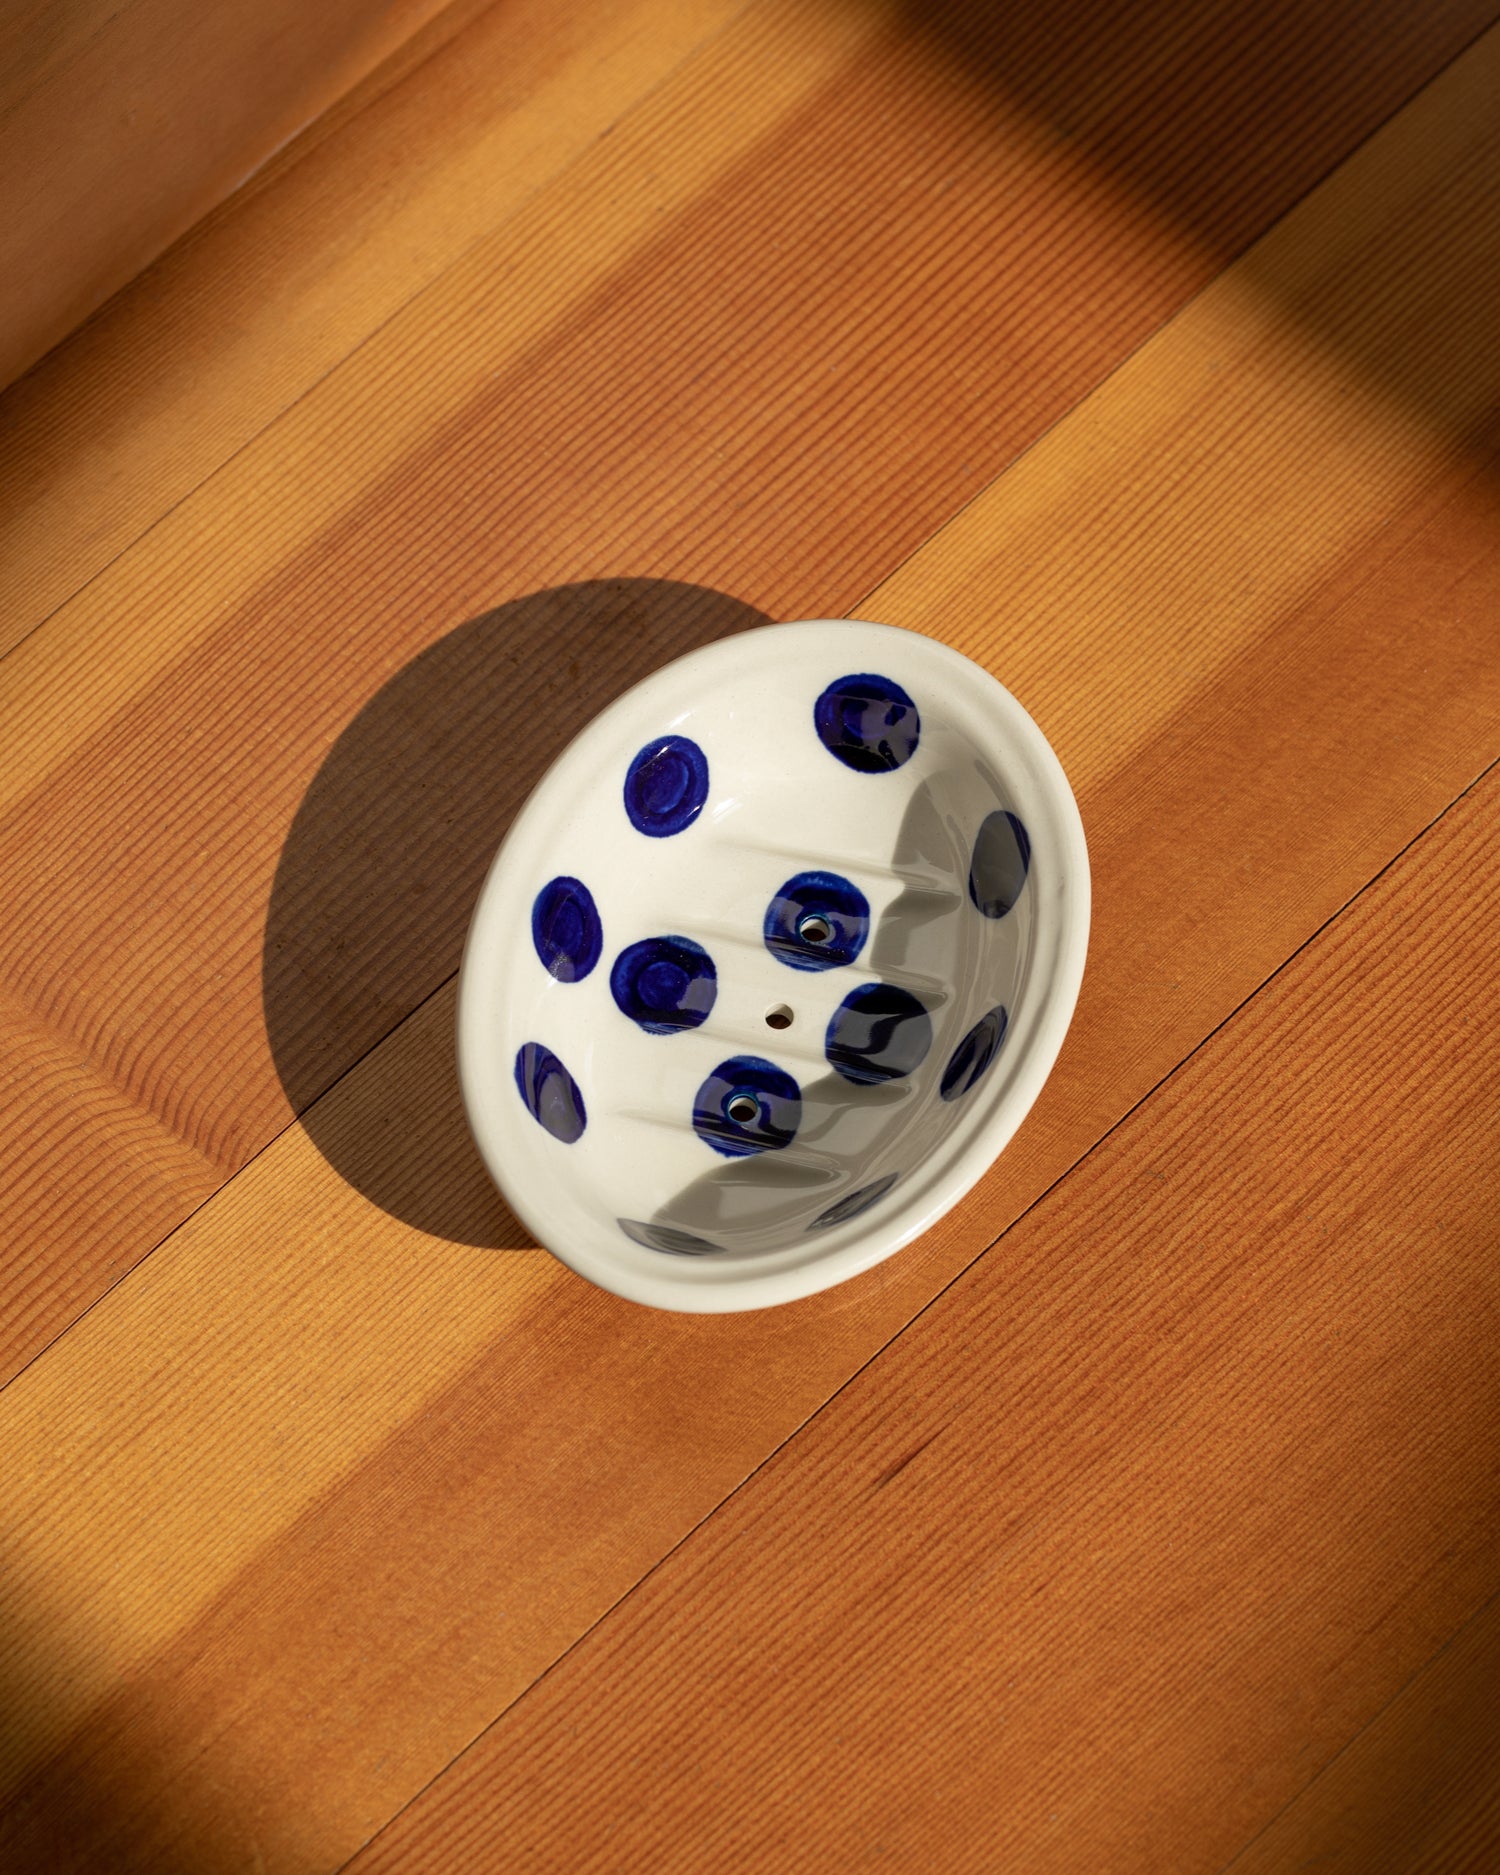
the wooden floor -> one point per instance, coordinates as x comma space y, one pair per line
1145, 1515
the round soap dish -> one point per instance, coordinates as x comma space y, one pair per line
772, 964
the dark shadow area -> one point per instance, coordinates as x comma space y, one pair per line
1217, 117
1205, 109
386, 855
105, 1800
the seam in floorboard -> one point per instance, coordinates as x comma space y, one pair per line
438, 989
931, 1302
552, 181
377, 84
889, 574
396, 312
1172, 318
1358, 1733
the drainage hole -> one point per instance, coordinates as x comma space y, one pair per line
778, 1017
743, 1108
814, 929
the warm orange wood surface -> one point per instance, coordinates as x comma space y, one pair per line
123, 121
241, 319
1418, 1789
1154, 368
1168, 1493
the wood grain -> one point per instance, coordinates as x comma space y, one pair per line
1218, 114
316, 1491
567, 402
120, 125
370, 204
1417, 1791
1161, 1500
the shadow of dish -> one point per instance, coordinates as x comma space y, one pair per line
378, 877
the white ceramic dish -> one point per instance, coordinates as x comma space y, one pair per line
772, 964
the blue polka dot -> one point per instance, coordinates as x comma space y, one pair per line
855, 1205
675, 1243
868, 722
666, 786
817, 921
565, 929
1002, 859
747, 1105
878, 1033
664, 984
974, 1054
552, 1096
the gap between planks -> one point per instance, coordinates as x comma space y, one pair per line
779, 1450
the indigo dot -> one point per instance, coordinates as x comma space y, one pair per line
974, 1054
676, 1243
868, 722
747, 1105
878, 1033
552, 1096
817, 921
666, 786
664, 984
1002, 859
855, 1205
565, 929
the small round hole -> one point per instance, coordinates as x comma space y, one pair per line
778, 1017
814, 929
743, 1108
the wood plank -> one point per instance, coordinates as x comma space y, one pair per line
567, 402
246, 314
1159, 1503
1417, 1792
370, 1485
120, 125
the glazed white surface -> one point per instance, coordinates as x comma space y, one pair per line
778, 803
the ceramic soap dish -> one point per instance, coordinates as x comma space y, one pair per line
772, 964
